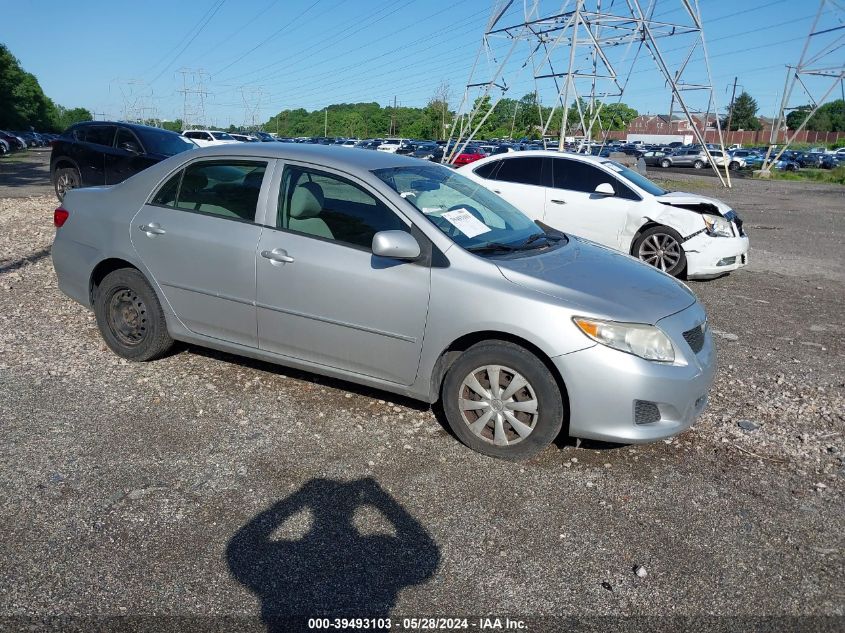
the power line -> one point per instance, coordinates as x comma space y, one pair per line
184, 48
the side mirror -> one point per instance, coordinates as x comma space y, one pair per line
130, 147
395, 244
605, 189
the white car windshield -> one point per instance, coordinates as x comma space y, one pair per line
222, 136
634, 177
471, 215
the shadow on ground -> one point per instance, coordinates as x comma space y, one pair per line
305, 556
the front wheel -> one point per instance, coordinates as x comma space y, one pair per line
661, 247
733, 165
665, 163
130, 317
502, 401
66, 178
698, 164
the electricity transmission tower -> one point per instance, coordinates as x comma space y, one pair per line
194, 96
252, 97
137, 100
819, 71
584, 52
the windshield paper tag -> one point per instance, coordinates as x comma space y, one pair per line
466, 222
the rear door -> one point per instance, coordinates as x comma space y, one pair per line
520, 181
574, 206
197, 235
90, 153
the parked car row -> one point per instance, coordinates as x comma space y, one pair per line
11, 141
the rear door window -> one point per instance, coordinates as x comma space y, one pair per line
100, 134
526, 170
223, 188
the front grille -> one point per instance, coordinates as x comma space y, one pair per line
695, 338
645, 412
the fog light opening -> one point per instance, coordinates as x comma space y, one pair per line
726, 261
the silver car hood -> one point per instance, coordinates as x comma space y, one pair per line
600, 281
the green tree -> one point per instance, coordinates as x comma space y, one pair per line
744, 113
830, 117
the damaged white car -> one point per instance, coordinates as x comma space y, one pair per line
683, 234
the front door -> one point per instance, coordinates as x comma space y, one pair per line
197, 236
323, 297
573, 206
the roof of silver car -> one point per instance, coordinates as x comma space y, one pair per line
330, 155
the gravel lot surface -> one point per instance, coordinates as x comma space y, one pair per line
205, 484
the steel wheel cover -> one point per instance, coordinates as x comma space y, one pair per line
661, 250
498, 405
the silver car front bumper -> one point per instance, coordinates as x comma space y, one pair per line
618, 397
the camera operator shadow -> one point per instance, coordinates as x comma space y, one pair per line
333, 570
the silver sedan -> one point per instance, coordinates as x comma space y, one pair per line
395, 273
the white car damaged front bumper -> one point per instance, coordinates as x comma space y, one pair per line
711, 256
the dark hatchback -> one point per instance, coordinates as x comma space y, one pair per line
103, 153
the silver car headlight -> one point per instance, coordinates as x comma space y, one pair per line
645, 341
717, 226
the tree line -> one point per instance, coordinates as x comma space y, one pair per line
742, 115
23, 103
510, 118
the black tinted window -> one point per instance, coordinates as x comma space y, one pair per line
522, 170
166, 196
164, 142
126, 140
577, 176
333, 208
100, 134
228, 189
487, 170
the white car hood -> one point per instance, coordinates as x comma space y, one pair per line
685, 200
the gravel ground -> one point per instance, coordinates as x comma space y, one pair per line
208, 485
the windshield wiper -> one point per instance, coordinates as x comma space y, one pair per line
493, 247
549, 238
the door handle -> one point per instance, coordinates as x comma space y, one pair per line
558, 201
277, 256
152, 229
496, 191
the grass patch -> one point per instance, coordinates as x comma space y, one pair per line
830, 176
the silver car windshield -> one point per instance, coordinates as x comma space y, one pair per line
472, 216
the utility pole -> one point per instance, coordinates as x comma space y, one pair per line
731, 110
326, 124
393, 118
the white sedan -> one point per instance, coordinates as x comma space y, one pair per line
604, 201
207, 138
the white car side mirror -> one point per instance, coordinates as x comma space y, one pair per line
605, 189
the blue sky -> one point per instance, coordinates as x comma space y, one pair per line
277, 54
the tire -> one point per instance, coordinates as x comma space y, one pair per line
130, 317
733, 165
665, 163
662, 248
499, 436
698, 164
65, 179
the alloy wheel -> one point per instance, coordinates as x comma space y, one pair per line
64, 184
661, 251
498, 405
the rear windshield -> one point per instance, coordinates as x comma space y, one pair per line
222, 136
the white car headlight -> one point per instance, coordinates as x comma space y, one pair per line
645, 341
717, 226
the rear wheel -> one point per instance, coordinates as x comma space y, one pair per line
502, 401
698, 164
665, 163
661, 247
66, 178
130, 317
733, 165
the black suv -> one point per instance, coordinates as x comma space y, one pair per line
103, 153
